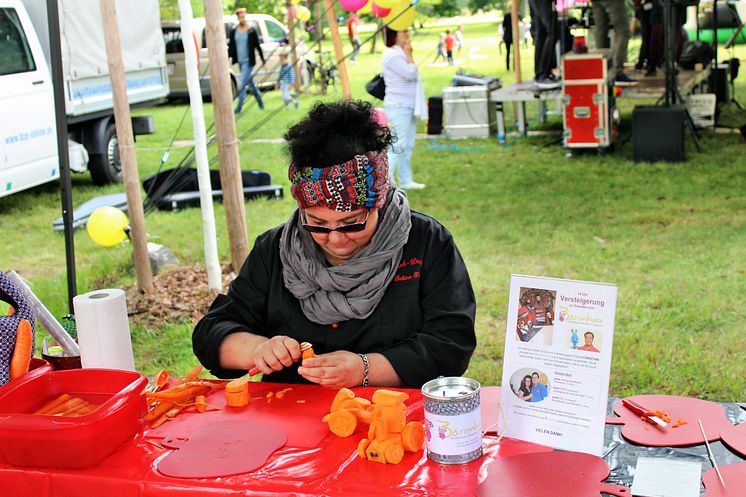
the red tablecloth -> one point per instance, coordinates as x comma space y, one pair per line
331, 468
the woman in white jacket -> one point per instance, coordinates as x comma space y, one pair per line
404, 103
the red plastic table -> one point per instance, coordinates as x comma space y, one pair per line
331, 468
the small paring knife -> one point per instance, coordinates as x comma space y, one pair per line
638, 409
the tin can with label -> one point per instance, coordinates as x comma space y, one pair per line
453, 420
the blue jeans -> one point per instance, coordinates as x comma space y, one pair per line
404, 127
244, 81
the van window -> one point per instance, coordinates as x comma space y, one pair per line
172, 40
275, 32
15, 54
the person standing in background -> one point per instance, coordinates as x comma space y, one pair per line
507, 37
352, 33
286, 80
608, 13
441, 48
404, 103
450, 41
459, 35
543, 24
243, 41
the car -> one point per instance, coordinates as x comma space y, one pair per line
271, 34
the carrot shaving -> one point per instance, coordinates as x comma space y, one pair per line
300, 401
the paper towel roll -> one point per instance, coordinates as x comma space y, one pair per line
104, 330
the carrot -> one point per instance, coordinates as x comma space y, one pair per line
300, 401
341, 422
356, 403
413, 436
365, 415
200, 404
237, 399
24, 348
342, 395
180, 395
237, 385
57, 411
193, 374
362, 446
389, 397
75, 411
375, 451
393, 452
159, 410
53, 403
308, 353
169, 415
395, 417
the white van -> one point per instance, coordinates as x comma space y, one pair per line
270, 31
28, 141
28, 146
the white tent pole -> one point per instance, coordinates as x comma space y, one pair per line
200, 148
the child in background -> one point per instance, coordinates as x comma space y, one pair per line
450, 41
441, 48
286, 80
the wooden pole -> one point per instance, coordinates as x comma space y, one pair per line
225, 131
126, 139
516, 40
331, 17
291, 39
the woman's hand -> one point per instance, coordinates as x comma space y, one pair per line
276, 354
334, 370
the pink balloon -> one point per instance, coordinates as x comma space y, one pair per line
380, 117
352, 5
379, 11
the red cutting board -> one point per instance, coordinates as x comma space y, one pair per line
686, 408
301, 421
734, 476
555, 474
221, 449
734, 436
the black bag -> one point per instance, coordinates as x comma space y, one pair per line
376, 86
694, 52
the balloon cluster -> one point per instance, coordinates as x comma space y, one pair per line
398, 14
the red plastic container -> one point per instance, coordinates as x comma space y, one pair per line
37, 367
70, 442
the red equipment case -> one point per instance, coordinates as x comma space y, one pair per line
588, 101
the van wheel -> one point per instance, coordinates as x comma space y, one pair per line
107, 167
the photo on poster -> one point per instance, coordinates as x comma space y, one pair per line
587, 340
530, 384
535, 321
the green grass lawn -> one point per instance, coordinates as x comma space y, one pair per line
671, 236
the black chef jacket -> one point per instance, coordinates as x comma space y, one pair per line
424, 324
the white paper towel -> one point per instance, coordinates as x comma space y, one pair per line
104, 330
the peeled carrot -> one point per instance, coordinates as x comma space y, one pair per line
389, 397
24, 347
53, 403
239, 384
342, 395
169, 415
193, 374
72, 402
308, 353
159, 410
200, 404
341, 422
413, 436
76, 410
362, 446
180, 395
356, 403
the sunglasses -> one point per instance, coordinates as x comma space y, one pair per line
345, 228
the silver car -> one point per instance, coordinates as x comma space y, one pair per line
271, 33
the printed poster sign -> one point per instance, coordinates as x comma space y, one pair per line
557, 361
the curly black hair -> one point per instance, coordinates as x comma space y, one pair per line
335, 132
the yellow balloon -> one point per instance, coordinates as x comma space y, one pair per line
294, 2
400, 17
387, 4
106, 226
302, 13
367, 8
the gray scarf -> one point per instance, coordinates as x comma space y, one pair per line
352, 290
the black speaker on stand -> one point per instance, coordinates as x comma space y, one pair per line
658, 131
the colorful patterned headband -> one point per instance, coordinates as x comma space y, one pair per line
362, 181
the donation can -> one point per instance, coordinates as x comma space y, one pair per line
453, 420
